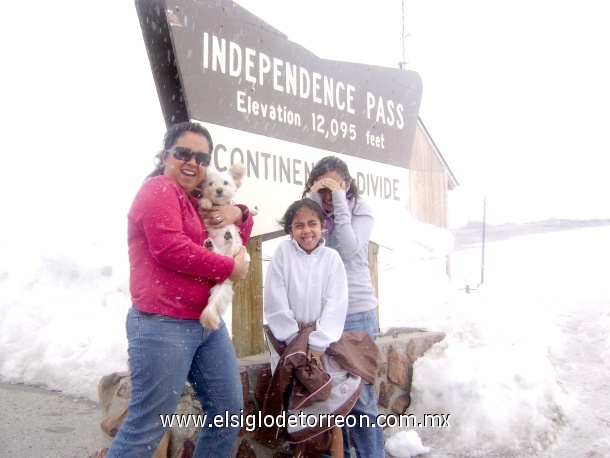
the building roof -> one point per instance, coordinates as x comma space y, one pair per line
452, 179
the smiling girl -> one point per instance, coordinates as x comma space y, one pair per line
305, 283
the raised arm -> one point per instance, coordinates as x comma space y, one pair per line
352, 230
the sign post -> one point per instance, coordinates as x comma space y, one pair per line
276, 107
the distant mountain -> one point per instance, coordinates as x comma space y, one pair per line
472, 233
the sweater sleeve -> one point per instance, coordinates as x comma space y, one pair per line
172, 230
245, 227
352, 230
329, 326
276, 304
316, 198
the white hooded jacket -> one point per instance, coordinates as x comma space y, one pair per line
302, 288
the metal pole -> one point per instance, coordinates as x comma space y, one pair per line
483, 241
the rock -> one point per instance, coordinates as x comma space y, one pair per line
112, 424
187, 450
107, 388
385, 393
244, 450
401, 403
163, 448
397, 368
264, 377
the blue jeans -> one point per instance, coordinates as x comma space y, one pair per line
163, 353
368, 441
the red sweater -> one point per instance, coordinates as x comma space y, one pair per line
171, 272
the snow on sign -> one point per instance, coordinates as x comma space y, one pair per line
275, 106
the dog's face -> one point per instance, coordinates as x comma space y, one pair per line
220, 188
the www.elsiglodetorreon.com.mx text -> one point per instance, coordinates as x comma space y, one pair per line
252, 422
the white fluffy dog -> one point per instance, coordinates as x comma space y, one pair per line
218, 188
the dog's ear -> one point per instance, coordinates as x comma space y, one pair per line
237, 171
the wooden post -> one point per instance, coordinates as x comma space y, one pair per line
373, 250
248, 305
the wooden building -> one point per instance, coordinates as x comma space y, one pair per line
430, 180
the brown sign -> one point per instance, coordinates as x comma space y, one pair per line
232, 69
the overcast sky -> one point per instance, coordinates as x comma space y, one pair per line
516, 93
515, 96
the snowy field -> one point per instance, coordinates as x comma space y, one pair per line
523, 372
525, 369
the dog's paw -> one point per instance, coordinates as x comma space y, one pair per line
228, 236
209, 244
209, 318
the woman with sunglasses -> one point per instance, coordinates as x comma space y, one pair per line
170, 281
349, 223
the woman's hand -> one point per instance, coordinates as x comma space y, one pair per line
240, 270
325, 183
316, 186
222, 215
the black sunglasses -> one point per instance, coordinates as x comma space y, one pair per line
185, 154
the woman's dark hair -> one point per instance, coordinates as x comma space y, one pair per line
171, 137
286, 221
331, 164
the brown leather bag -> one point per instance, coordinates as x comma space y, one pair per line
314, 383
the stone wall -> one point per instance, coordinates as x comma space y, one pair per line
401, 348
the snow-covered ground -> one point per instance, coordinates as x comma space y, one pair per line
525, 368
523, 371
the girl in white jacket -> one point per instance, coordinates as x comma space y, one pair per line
306, 282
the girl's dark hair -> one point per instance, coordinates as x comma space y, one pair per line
171, 137
286, 221
332, 164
